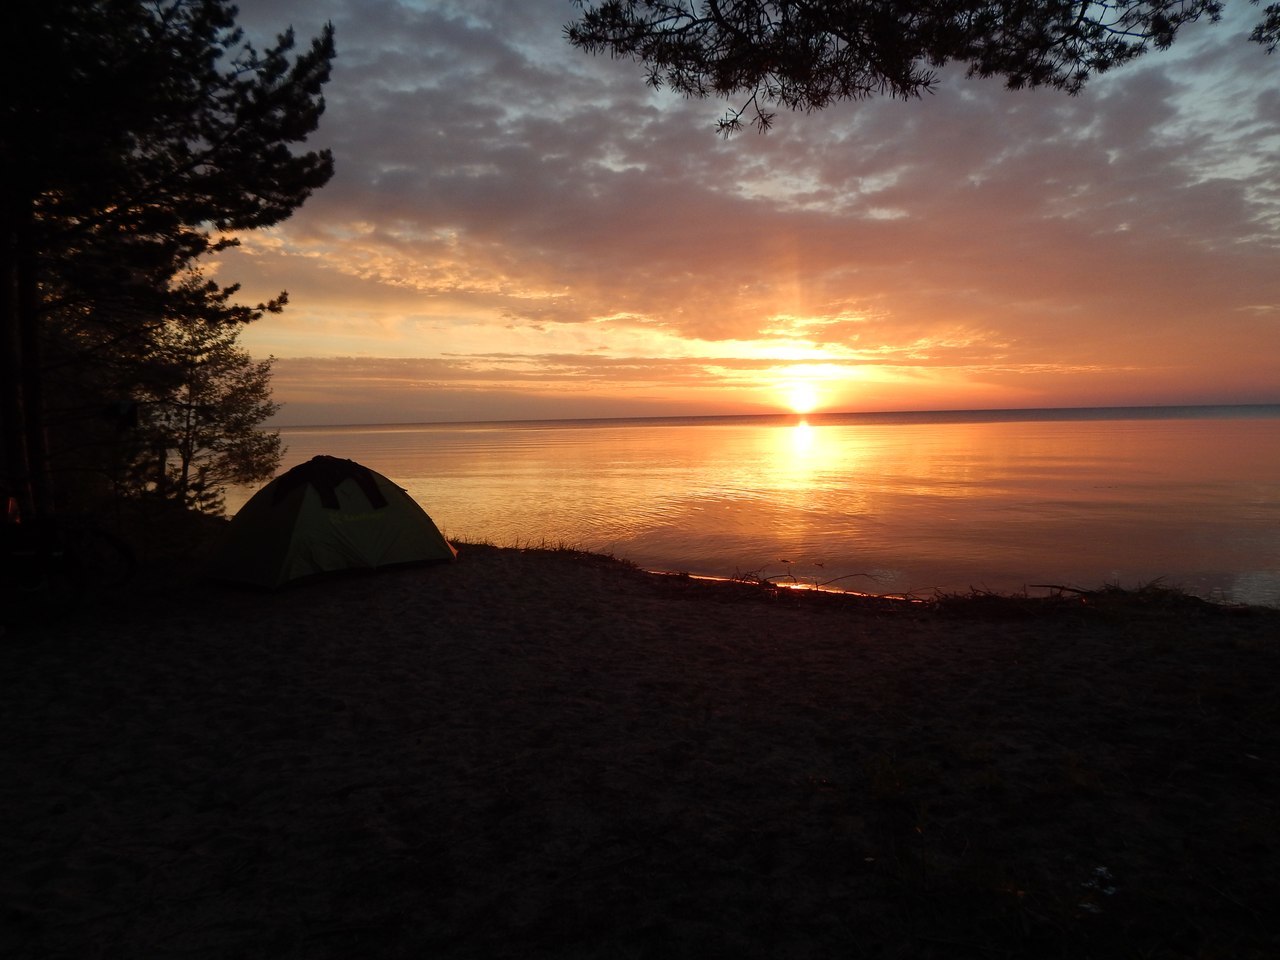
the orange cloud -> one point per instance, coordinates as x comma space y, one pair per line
513, 220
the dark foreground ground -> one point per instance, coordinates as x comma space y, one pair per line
548, 754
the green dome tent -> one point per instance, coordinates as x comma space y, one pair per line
324, 516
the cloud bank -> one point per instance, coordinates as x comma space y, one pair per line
518, 229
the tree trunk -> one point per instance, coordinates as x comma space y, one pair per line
15, 477
34, 426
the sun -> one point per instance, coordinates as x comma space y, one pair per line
802, 398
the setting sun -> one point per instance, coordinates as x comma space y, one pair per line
802, 397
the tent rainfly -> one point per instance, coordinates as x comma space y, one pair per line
324, 516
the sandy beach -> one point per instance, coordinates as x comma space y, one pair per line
535, 753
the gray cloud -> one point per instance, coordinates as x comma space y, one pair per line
487, 170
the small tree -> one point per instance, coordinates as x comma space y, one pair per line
118, 366
807, 54
199, 420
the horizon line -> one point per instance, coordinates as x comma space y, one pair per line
1153, 409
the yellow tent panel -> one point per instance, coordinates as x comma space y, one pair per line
324, 516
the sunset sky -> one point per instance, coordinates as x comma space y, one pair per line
517, 230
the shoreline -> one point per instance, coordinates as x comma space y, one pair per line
550, 753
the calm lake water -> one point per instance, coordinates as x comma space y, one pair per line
884, 503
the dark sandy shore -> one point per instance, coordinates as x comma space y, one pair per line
548, 754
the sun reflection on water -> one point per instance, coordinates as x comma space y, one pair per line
802, 438
994, 505
803, 455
